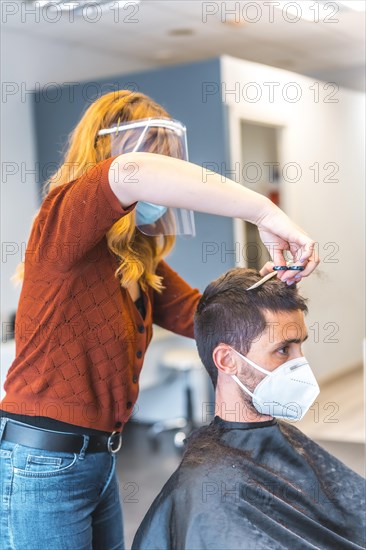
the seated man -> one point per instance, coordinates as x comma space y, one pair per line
251, 480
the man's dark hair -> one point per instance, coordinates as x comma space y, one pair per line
228, 313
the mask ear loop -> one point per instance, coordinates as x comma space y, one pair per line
234, 377
257, 367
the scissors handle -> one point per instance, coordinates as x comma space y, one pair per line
288, 268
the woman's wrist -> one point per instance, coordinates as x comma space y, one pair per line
264, 208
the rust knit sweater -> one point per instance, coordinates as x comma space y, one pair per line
80, 339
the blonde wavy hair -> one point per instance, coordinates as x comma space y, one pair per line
138, 254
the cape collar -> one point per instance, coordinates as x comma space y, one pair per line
218, 421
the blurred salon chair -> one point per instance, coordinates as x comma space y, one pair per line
7, 350
181, 361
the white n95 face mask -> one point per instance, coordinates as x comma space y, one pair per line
287, 392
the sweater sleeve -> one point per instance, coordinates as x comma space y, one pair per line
74, 217
174, 308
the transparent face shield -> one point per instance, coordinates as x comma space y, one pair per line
164, 137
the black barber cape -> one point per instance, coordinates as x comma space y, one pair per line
256, 486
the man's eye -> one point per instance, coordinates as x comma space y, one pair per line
283, 350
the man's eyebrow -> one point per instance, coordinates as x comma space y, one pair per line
291, 341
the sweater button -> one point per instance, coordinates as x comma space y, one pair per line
141, 328
128, 404
118, 425
135, 378
139, 354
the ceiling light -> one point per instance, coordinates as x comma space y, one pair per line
311, 11
181, 32
235, 23
301, 10
79, 5
355, 5
42, 3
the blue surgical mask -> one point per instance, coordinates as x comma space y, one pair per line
147, 213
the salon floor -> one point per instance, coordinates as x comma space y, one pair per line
142, 472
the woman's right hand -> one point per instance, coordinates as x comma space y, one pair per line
278, 233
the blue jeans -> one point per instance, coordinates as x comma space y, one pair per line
58, 500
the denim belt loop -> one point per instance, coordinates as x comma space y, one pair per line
84, 447
3, 422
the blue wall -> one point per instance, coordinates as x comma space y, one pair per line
179, 90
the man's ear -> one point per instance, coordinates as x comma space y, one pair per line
224, 359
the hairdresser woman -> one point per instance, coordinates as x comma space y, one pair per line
94, 281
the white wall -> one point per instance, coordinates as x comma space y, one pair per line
28, 61
331, 212
18, 198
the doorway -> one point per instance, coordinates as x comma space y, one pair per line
260, 171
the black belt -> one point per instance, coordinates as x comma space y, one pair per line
40, 438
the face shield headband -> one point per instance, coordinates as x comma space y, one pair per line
163, 137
